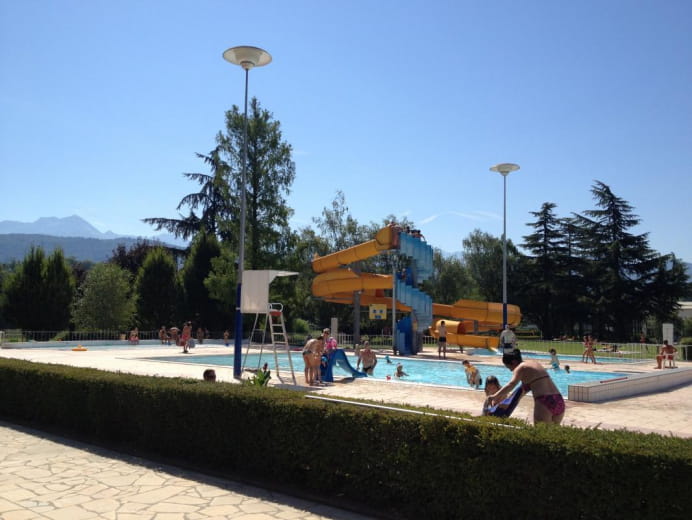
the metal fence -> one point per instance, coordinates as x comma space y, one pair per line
621, 352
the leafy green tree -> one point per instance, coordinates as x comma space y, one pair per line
198, 304
131, 259
450, 280
104, 300
338, 227
157, 290
59, 291
482, 255
295, 292
270, 174
221, 282
79, 269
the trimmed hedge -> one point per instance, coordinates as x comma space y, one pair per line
402, 465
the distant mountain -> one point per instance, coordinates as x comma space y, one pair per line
77, 237
15, 246
73, 226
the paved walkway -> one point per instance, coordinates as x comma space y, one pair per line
48, 477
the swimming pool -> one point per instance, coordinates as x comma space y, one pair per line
422, 371
564, 358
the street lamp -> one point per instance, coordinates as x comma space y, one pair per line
248, 58
504, 169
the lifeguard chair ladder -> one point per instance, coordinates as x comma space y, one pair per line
275, 328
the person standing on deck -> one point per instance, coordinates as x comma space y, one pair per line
508, 340
442, 340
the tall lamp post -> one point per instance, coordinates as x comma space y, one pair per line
248, 58
504, 169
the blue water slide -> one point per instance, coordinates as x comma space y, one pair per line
338, 358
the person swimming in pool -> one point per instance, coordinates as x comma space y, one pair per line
369, 359
473, 375
554, 360
549, 406
400, 370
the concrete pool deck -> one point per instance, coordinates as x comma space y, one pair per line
668, 412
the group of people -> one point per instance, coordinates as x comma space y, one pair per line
181, 338
314, 356
317, 351
588, 354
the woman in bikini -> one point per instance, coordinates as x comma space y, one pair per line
549, 406
312, 352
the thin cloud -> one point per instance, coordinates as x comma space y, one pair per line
470, 216
428, 220
477, 216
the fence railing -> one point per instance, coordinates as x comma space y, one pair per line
614, 351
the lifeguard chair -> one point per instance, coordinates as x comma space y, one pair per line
269, 326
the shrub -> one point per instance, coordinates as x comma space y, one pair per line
399, 464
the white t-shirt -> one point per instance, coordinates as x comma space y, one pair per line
507, 338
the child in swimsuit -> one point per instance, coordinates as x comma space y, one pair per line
554, 361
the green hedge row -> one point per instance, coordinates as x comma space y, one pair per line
399, 464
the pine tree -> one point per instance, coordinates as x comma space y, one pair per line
269, 175
546, 271
619, 264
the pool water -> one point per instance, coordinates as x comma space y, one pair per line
564, 358
445, 373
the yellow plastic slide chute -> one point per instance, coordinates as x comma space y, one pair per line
336, 283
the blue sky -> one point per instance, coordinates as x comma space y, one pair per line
403, 105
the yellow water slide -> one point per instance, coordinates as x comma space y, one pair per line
336, 283
386, 238
488, 315
470, 317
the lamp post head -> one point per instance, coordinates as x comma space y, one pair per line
247, 57
504, 168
